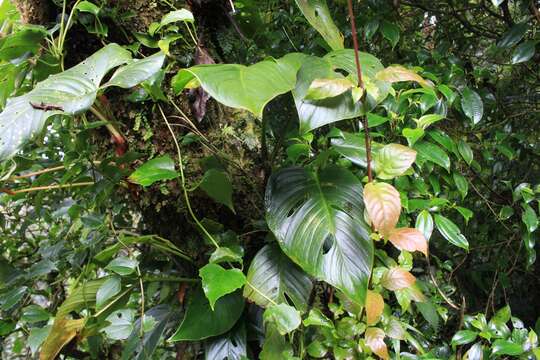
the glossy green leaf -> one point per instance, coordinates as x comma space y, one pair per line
318, 15
466, 213
427, 120
433, 153
524, 52
201, 322
277, 278
110, 288
463, 337
218, 186
390, 32
87, 6
317, 318
157, 169
376, 120
424, 223
392, 160
177, 15
217, 281
506, 212
513, 36
505, 347
122, 265
529, 218
142, 348
34, 313
20, 42
318, 221
284, 317
37, 336
451, 232
353, 148
136, 71
73, 90
461, 183
475, 352
465, 151
244, 87
227, 254
413, 135
229, 346
12, 297
276, 346
472, 105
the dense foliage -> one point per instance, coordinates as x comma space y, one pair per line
232, 180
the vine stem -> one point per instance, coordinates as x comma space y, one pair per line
183, 181
354, 35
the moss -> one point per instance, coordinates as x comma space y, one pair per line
33, 11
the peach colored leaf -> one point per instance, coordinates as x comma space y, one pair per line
374, 307
383, 206
375, 341
397, 278
409, 239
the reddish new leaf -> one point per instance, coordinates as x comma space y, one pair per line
409, 239
374, 307
375, 341
383, 206
397, 278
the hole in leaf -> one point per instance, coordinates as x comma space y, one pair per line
328, 243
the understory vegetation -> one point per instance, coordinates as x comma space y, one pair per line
275, 180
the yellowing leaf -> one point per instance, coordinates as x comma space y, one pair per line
62, 332
375, 341
397, 278
383, 206
397, 73
325, 88
374, 307
393, 160
409, 239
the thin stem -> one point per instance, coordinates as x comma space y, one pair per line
360, 85
183, 182
52, 187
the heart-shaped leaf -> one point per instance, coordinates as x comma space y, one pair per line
70, 92
244, 87
409, 239
217, 281
318, 221
277, 278
383, 206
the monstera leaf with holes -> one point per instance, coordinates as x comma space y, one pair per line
70, 92
317, 218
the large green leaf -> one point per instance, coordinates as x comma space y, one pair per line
524, 52
245, 87
200, 322
318, 221
513, 36
137, 71
353, 147
70, 92
318, 15
284, 317
230, 346
20, 42
316, 113
277, 278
